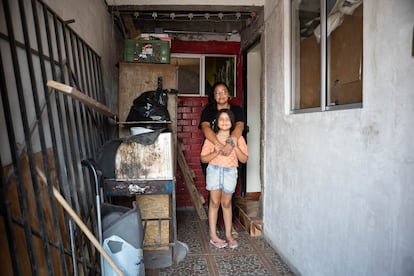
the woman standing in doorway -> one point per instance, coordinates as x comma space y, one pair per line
220, 101
221, 175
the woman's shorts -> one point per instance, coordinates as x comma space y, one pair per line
221, 178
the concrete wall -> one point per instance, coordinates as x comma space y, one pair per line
338, 185
254, 73
95, 25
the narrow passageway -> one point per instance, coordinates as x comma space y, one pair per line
254, 256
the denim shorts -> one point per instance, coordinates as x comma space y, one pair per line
221, 178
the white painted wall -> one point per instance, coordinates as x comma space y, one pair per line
339, 185
94, 24
254, 73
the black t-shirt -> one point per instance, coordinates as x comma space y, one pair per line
209, 114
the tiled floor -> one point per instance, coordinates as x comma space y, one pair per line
254, 256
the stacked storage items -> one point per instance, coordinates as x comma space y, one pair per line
120, 231
123, 238
147, 171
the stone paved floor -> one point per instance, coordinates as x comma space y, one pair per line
254, 256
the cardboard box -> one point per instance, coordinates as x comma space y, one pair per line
147, 51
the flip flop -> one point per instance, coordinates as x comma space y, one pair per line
218, 244
233, 244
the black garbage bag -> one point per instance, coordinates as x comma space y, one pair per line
150, 106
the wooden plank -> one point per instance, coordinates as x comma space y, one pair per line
156, 216
85, 230
14, 205
143, 123
137, 78
189, 182
60, 199
76, 94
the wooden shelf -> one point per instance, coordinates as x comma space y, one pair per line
132, 123
117, 187
155, 194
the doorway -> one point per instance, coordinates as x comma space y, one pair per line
249, 206
251, 87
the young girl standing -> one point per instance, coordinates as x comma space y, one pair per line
221, 178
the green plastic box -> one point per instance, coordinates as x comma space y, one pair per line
147, 51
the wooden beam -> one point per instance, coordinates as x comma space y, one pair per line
74, 93
189, 182
80, 223
86, 231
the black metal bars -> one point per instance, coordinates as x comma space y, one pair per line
46, 135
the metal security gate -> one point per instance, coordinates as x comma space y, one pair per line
44, 136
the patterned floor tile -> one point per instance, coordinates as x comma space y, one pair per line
192, 265
188, 228
261, 244
244, 264
194, 243
185, 215
277, 264
254, 256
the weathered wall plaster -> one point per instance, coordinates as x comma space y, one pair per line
94, 24
338, 185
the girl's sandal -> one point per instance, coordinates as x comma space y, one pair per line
218, 244
233, 244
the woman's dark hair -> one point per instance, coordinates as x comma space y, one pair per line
231, 116
211, 100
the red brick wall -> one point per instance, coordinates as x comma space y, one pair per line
188, 117
189, 112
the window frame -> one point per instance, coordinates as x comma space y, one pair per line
324, 55
202, 79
